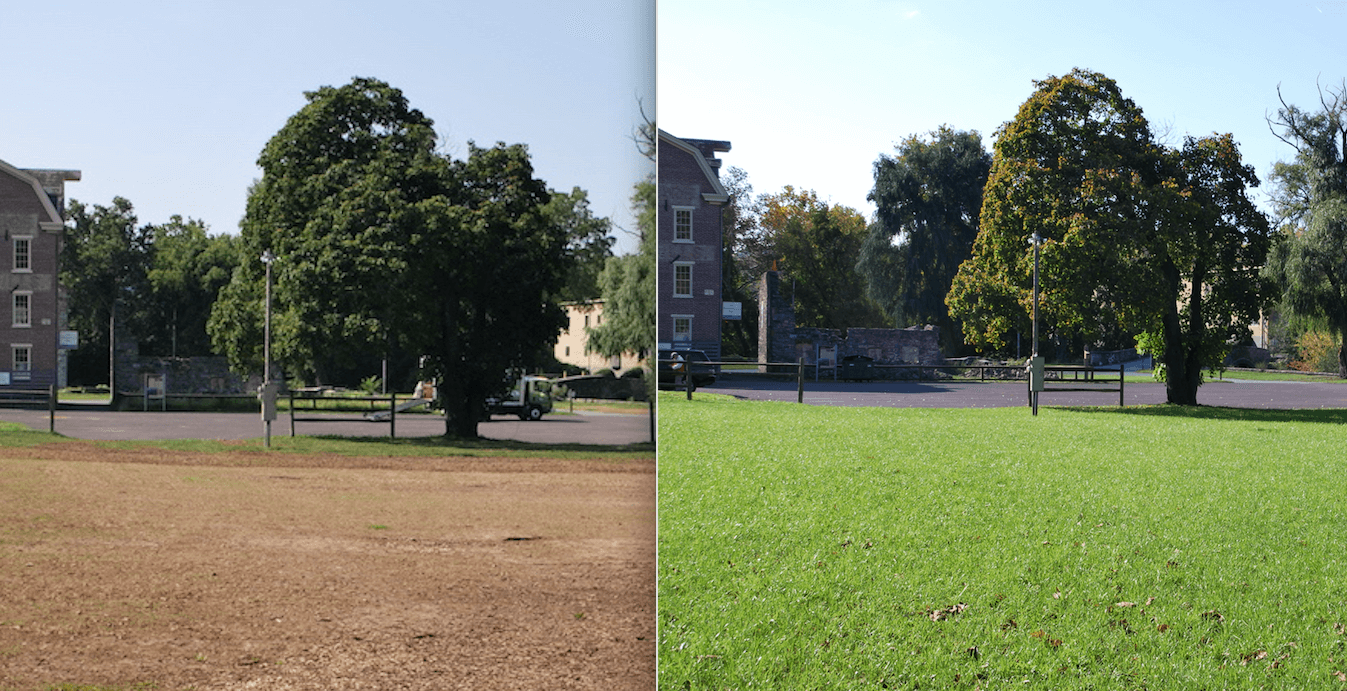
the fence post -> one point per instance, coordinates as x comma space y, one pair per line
799, 384
51, 410
687, 378
1122, 376
292, 412
393, 416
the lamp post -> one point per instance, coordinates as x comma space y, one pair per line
1035, 240
1036, 368
268, 390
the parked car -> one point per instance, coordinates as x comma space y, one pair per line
673, 364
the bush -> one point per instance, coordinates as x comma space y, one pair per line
1318, 352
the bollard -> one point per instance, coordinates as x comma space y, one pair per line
51, 410
799, 383
393, 416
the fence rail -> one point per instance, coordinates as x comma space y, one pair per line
30, 399
1064, 378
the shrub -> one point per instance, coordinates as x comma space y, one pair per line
1318, 352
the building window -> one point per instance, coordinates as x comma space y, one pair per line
23, 312
683, 280
23, 253
682, 328
23, 362
682, 224
568, 351
586, 321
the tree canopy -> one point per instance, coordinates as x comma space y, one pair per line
627, 283
384, 245
815, 244
1137, 238
161, 279
1309, 260
929, 197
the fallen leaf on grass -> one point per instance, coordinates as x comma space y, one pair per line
1037, 634
1124, 604
942, 614
1213, 615
1342, 676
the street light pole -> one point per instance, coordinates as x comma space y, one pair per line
268, 391
1036, 239
1036, 363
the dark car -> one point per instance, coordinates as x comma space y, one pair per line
673, 364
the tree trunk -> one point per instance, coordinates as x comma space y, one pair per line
1342, 358
1183, 374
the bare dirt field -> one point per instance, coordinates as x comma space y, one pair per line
153, 569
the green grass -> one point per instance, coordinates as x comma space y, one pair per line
1281, 376
805, 547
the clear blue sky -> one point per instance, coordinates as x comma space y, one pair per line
169, 103
810, 94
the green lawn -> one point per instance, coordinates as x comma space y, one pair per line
805, 547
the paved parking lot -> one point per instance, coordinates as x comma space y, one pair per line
951, 394
103, 424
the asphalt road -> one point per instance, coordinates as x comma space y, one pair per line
1227, 393
103, 424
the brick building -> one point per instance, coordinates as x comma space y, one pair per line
689, 234
32, 225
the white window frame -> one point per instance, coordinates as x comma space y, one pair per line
26, 296
676, 267
27, 255
686, 336
22, 369
683, 236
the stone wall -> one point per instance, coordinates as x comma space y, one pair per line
208, 374
779, 340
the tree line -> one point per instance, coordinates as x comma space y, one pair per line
1142, 243
385, 248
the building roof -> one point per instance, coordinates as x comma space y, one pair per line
703, 152
45, 183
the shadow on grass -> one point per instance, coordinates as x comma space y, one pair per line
484, 445
1332, 416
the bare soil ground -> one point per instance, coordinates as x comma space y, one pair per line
152, 569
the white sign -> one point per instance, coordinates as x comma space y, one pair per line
70, 339
732, 310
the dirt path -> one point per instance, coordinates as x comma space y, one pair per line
126, 568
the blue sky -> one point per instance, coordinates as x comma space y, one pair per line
169, 103
810, 94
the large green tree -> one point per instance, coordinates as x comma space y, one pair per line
1309, 260
589, 244
929, 197
815, 244
104, 272
187, 268
1136, 237
742, 261
627, 282
383, 245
